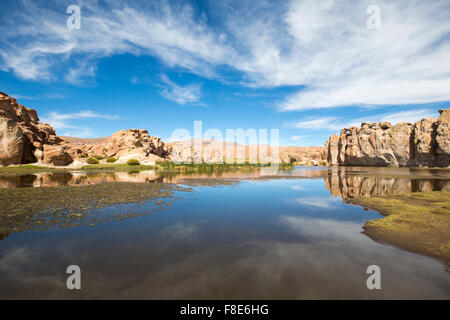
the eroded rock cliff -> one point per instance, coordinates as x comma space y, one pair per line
23, 138
423, 144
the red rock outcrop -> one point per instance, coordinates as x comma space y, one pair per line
423, 144
331, 148
443, 138
125, 145
57, 155
122, 142
303, 155
23, 138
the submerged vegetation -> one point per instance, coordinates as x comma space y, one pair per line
418, 222
64, 206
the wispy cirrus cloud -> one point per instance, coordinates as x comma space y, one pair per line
331, 123
327, 203
181, 94
298, 138
337, 123
65, 122
40, 44
323, 47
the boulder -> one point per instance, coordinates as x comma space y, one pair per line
56, 155
131, 141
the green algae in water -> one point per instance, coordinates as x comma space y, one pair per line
64, 206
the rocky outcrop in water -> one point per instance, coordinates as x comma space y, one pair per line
423, 144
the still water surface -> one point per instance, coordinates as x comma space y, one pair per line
236, 236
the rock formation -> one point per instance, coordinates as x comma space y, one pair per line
331, 148
423, 144
125, 145
23, 138
303, 155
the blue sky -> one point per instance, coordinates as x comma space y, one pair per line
307, 68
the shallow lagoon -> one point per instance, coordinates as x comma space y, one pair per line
239, 235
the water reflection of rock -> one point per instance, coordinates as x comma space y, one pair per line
47, 179
76, 178
348, 182
3, 235
341, 183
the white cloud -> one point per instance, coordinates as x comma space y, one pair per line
63, 121
411, 116
317, 123
299, 188
407, 61
323, 46
297, 138
79, 132
81, 74
324, 229
190, 93
336, 123
167, 32
135, 80
327, 203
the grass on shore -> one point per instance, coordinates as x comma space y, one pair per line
89, 167
117, 167
218, 167
28, 168
163, 165
418, 222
